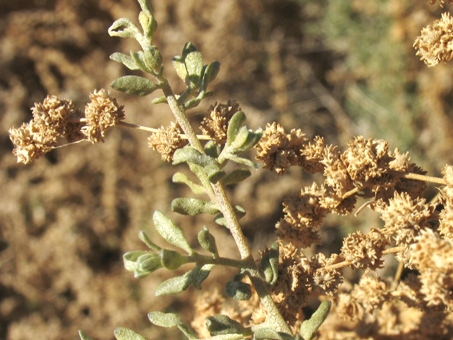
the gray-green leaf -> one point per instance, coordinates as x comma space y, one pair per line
124, 28
170, 232
177, 284
236, 176
166, 320
134, 85
193, 206
222, 324
124, 59
126, 334
309, 327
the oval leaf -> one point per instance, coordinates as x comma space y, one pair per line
236, 176
170, 232
126, 334
222, 324
124, 59
177, 284
207, 241
193, 206
134, 85
164, 319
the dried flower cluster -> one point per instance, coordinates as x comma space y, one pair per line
413, 230
102, 113
435, 44
216, 124
278, 151
167, 140
54, 119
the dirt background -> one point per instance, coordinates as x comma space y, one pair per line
333, 68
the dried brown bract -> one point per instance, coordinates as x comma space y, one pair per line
435, 44
216, 124
167, 140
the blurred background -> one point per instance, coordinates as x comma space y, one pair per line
332, 68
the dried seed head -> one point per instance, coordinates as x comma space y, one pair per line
366, 160
40, 135
364, 251
167, 140
433, 257
311, 155
404, 217
278, 150
216, 124
435, 44
303, 215
102, 113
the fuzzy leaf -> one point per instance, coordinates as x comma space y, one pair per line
124, 59
238, 290
214, 172
209, 164
126, 334
201, 174
171, 259
130, 259
207, 241
180, 68
145, 239
169, 320
193, 206
144, 5
202, 275
236, 176
139, 59
188, 48
269, 264
210, 73
177, 284
222, 324
142, 263
159, 100
153, 59
134, 85
166, 320
234, 126
170, 232
179, 177
124, 28
147, 21
241, 160
267, 333
189, 154
194, 63
309, 327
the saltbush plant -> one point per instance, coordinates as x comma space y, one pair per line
273, 290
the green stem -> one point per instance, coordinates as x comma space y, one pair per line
228, 212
